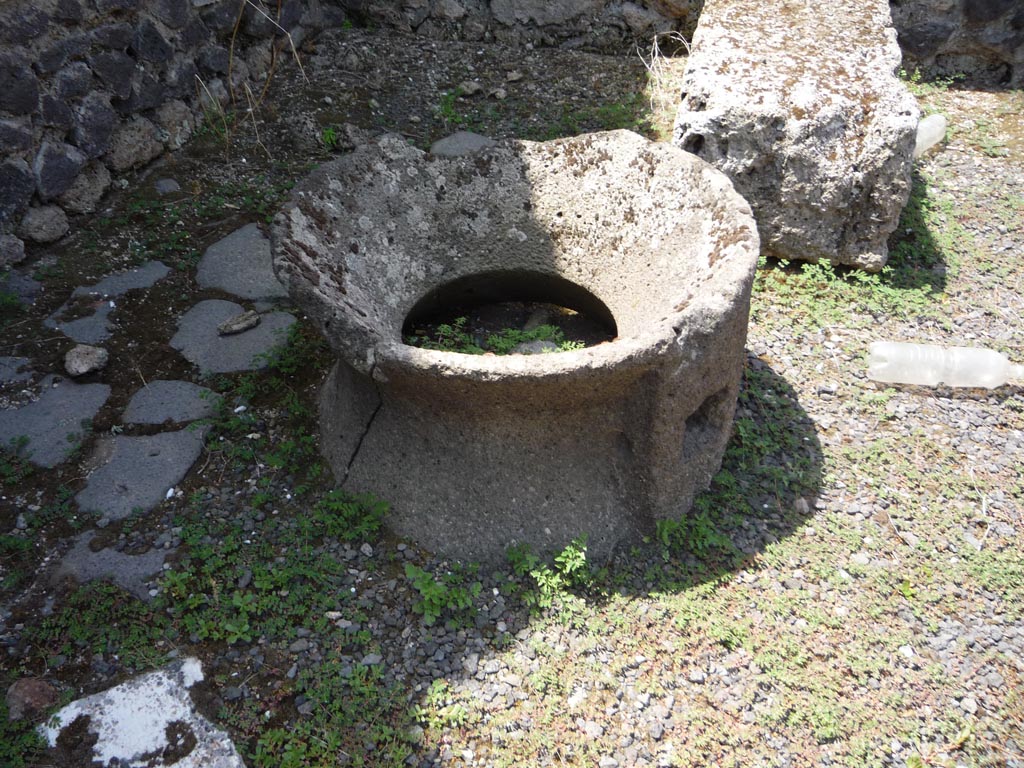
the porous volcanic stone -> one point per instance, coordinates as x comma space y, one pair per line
134, 143
87, 189
809, 120
240, 265
82, 359
135, 720
140, 472
44, 224
478, 452
17, 183
56, 167
176, 401
12, 250
460, 143
59, 412
198, 340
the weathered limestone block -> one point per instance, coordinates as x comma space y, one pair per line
799, 103
475, 453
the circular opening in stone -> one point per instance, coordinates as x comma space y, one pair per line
509, 312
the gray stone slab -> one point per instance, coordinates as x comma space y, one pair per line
94, 328
11, 369
177, 401
22, 286
120, 283
197, 338
240, 265
460, 143
130, 572
140, 472
132, 721
50, 420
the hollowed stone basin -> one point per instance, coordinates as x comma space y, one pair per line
476, 453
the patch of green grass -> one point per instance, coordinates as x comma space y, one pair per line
450, 593
21, 746
11, 308
14, 463
355, 720
100, 618
232, 587
632, 113
440, 709
453, 337
16, 561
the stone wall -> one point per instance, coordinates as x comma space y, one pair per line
597, 25
91, 89
981, 37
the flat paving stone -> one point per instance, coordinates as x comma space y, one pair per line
175, 401
50, 420
197, 338
22, 286
11, 369
130, 572
139, 472
240, 264
94, 327
135, 720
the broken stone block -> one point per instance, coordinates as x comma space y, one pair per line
809, 120
148, 720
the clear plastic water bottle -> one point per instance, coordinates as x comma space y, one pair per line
900, 363
930, 131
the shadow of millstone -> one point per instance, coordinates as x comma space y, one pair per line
764, 492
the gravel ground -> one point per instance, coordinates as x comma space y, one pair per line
852, 592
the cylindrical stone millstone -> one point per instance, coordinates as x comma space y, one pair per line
476, 453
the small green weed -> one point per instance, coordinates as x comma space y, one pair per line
353, 711
449, 593
446, 112
453, 337
14, 464
100, 618
342, 516
21, 745
329, 137
551, 585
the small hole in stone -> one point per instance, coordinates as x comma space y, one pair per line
694, 144
500, 312
706, 421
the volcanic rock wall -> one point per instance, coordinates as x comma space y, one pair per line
92, 89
